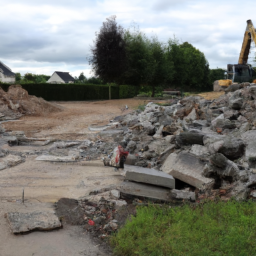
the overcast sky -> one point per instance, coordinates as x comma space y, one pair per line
43, 36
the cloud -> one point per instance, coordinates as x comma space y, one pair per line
43, 36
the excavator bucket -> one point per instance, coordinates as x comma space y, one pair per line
226, 82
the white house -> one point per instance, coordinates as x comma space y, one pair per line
6, 74
61, 78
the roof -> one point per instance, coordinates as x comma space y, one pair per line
6, 71
65, 76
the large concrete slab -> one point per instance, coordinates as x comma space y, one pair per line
186, 167
145, 190
21, 222
149, 176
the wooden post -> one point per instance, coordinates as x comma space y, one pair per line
110, 92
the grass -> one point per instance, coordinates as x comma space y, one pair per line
209, 229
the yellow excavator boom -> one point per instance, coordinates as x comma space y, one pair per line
249, 35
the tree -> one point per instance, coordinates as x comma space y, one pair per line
108, 58
216, 74
82, 78
17, 77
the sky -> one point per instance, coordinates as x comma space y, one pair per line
43, 36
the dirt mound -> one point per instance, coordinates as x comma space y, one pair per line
16, 102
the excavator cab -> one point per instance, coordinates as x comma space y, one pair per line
243, 72
239, 73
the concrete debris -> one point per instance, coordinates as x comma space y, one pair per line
24, 222
186, 167
56, 158
143, 190
183, 195
149, 176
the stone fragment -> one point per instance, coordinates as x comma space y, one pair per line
236, 104
11, 160
131, 159
2, 166
189, 138
186, 167
158, 133
192, 115
199, 150
183, 195
149, 176
23, 222
232, 148
115, 193
145, 190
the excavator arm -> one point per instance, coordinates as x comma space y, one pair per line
249, 35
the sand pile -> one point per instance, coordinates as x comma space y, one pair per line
16, 102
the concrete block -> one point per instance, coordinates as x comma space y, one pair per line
186, 167
131, 159
144, 190
149, 176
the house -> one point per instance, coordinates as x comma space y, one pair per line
6, 74
61, 78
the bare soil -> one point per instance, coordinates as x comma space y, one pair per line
73, 121
45, 183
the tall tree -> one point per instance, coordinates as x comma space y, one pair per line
82, 78
108, 58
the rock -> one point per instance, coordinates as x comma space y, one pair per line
199, 150
189, 138
183, 195
11, 160
236, 104
233, 88
186, 167
170, 138
192, 115
115, 193
131, 159
158, 134
223, 167
149, 176
158, 146
2, 166
145, 190
24, 222
111, 133
249, 138
214, 121
131, 146
232, 148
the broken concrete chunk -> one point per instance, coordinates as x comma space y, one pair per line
232, 148
24, 222
183, 195
56, 158
115, 193
11, 160
189, 138
149, 176
186, 167
199, 150
145, 190
158, 134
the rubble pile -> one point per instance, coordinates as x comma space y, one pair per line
209, 145
17, 102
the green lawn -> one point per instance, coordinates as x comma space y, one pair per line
212, 228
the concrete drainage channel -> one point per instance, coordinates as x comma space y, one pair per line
190, 150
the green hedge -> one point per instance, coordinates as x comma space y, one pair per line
69, 92
128, 91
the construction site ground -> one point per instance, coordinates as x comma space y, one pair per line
45, 183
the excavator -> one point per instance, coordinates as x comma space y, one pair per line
242, 72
